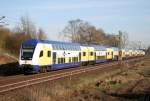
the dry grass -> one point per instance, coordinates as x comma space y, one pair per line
86, 87
64, 89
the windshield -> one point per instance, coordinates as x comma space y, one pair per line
27, 52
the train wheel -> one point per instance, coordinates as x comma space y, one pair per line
43, 69
48, 69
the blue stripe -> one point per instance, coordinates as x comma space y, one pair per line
36, 68
101, 60
60, 66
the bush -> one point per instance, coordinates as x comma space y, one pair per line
10, 69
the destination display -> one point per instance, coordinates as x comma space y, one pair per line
28, 46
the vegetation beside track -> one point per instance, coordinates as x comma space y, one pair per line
8, 65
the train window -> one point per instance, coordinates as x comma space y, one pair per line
69, 59
67, 47
56, 47
91, 53
59, 60
84, 53
64, 47
72, 59
77, 59
98, 57
71, 48
75, 48
41, 53
49, 53
53, 46
62, 60
59, 47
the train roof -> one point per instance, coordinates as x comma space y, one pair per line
65, 45
35, 41
57, 45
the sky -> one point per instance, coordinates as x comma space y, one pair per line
132, 16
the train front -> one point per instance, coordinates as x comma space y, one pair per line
26, 60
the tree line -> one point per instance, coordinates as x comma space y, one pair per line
11, 39
76, 31
83, 32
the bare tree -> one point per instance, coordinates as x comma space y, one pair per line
124, 39
26, 26
112, 40
86, 32
90, 34
72, 29
4, 34
83, 32
148, 51
41, 34
133, 45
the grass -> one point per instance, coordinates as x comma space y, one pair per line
64, 89
8, 65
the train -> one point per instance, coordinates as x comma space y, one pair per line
44, 55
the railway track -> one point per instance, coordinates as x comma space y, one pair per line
33, 81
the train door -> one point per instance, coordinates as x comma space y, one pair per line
95, 55
112, 53
54, 57
120, 53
